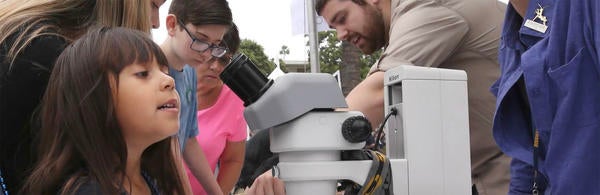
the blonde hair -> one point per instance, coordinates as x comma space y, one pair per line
133, 14
21, 21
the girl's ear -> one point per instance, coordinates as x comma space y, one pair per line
171, 24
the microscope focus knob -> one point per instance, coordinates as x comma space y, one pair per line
356, 129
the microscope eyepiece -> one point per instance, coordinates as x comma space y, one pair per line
245, 79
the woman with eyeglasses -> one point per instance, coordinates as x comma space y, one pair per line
195, 30
222, 128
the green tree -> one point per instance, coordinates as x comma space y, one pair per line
284, 51
351, 67
256, 53
283, 65
367, 61
330, 53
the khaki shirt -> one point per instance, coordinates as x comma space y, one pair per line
457, 34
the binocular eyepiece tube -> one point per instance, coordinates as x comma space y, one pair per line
245, 79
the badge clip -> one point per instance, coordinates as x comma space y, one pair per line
537, 26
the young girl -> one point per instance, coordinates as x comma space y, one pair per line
108, 116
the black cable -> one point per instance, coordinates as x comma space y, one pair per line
393, 111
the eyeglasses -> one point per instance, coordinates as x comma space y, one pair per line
225, 60
201, 46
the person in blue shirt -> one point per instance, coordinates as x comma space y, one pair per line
548, 98
195, 34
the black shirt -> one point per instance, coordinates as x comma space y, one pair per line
22, 86
91, 187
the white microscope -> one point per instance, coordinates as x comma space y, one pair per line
427, 141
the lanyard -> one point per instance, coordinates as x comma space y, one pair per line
536, 154
536, 136
536, 145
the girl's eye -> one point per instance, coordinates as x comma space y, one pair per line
142, 74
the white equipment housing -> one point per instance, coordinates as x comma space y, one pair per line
428, 140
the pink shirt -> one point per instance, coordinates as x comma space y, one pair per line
221, 123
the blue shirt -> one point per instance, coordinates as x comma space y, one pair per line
561, 77
185, 84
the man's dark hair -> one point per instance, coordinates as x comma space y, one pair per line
319, 4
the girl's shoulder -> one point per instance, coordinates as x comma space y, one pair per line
38, 54
48, 37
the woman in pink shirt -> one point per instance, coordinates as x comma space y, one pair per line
221, 125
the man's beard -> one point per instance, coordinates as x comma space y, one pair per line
374, 30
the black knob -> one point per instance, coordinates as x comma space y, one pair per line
356, 129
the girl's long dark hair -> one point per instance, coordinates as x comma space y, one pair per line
80, 135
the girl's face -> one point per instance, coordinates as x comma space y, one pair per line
147, 105
211, 34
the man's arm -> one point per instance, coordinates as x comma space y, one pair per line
424, 35
197, 163
367, 97
230, 165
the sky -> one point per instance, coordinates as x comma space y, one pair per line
266, 22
